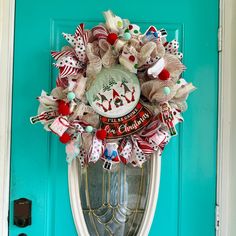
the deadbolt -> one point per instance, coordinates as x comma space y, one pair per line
22, 212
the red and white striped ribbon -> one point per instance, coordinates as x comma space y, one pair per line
66, 71
151, 128
79, 30
154, 135
62, 82
57, 55
100, 32
82, 33
142, 144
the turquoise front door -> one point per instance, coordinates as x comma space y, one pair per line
186, 205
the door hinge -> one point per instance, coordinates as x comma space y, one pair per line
220, 39
217, 220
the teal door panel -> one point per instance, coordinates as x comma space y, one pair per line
186, 203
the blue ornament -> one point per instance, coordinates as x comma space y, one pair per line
89, 129
71, 96
155, 34
166, 90
127, 36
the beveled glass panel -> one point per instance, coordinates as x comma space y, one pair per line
114, 202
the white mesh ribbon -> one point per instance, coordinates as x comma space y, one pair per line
95, 62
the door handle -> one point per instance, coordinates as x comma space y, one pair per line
22, 212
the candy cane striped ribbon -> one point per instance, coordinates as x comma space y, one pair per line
79, 30
100, 32
151, 128
142, 144
57, 55
82, 33
65, 71
62, 82
154, 135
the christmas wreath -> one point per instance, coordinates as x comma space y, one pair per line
119, 93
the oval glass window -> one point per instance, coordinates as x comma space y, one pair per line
114, 203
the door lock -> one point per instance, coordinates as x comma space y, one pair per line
22, 212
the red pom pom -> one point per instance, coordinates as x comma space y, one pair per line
101, 134
164, 75
132, 58
63, 108
65, 138
111, 38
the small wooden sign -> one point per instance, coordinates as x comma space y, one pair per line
134, 121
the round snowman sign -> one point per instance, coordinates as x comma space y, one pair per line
115, 92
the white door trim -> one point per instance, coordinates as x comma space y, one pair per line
7, 12
224, 117
153, 192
